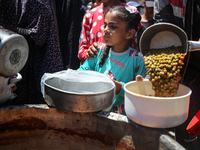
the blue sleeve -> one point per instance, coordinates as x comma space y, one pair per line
89, 64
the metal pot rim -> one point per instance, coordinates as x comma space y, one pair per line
77, 93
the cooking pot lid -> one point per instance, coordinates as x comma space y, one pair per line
13, 54
193, 127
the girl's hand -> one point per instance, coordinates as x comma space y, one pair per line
118, 86
139, 78
92, 51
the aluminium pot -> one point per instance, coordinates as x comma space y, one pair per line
40, 128
163, 35
13, 52
77, 96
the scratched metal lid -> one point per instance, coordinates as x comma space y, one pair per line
13, 52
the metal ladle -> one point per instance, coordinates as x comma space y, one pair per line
164, 35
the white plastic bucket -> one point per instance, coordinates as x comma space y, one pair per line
156, 112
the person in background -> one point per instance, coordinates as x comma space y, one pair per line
92, 28
147, 18
92, 4
116, 59
85, 2
186, 15
170, 11
8, 88
135, 4
192, 72
69, 15
35, 21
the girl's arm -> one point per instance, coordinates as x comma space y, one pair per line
118, 86
89, 64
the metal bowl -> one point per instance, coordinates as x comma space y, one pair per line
78, 96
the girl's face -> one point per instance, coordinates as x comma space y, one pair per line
115, 31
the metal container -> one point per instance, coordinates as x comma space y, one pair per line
157, 112
13, 52
51, 129
78, 96
163, 35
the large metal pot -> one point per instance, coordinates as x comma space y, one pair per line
51, 129
163, 35
78, 96
13, 52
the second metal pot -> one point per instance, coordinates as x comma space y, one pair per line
163, 35
78, 96
14, 52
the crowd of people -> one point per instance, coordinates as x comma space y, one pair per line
84, 34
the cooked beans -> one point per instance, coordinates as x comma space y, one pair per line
164, 67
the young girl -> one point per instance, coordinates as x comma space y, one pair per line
92, 28
116, 58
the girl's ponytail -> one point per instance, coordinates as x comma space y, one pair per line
104, 55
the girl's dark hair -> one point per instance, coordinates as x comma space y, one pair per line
104, 55
132, 21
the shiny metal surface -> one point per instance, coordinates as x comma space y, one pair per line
163, 35
14, 52
78, 97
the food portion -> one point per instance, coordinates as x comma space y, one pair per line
164, 68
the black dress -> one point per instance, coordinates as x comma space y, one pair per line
69, 14
36, 22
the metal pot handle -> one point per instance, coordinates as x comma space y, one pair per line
193, 46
